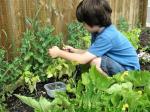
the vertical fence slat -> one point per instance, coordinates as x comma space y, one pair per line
58, 13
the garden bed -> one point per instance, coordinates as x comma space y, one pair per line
145, 43
16, 105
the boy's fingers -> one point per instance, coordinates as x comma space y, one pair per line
67, 46
66, 49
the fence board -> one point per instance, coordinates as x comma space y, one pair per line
58, 13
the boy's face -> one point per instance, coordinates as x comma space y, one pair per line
92, 29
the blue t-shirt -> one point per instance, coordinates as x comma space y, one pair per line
110, 42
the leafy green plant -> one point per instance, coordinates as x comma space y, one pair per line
123, 25
133, 36
60, 67
33, 58
31, 65
144, 58
9, 73
86, 98
31, 80
34, 49
78, 37
128, 91
2, 108
42, 105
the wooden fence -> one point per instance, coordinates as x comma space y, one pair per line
57, 13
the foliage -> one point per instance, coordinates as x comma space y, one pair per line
42, 106
5, 67
60, 67
33, 60
2, 108
34, 49
133, 37
145, 40
144, 57
123, 25
129, 91
9, 73
78, 37
31, 80
33, 63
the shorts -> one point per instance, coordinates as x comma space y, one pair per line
110, 66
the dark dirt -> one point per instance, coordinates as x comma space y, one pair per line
145, 39
145, 42
15, 105
145, 66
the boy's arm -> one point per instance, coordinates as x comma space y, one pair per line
79, 58
74, 50
79, 51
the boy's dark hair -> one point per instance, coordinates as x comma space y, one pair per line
94, 12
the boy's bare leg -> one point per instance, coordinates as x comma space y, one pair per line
97, 62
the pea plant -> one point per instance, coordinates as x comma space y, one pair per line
31, 64
78, 37
9, 73
133, 35
34, 49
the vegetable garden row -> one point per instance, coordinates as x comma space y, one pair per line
86, 89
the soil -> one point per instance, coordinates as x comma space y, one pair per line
145, 38
145, 66
145, 41
15, 105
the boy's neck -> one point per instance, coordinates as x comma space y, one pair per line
101, 29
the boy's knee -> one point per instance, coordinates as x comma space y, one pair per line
96, 62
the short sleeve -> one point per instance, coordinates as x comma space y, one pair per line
100, 47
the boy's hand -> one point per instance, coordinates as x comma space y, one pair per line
54, 52
69, 49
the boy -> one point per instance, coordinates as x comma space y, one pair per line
110, 51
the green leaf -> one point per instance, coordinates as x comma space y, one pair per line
29, 101
99, 80
116, 88
28, 56
42, 105
45, 105
85, 79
